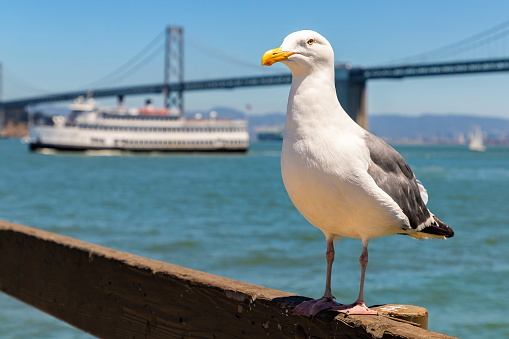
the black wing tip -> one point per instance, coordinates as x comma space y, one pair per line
439, 228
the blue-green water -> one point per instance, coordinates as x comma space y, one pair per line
230, 215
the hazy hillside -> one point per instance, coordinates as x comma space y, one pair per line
427, 128
432, 127
424, 128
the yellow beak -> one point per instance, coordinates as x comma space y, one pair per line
275, 55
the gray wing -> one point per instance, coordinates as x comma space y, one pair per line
393, 175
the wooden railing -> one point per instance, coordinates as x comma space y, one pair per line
113, 294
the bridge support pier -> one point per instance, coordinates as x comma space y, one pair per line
352, 96
2, 120
13, 122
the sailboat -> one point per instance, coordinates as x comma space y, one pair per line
476, 141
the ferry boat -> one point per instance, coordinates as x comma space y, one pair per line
146, 130
270, 133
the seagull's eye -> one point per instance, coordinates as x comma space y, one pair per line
310, 41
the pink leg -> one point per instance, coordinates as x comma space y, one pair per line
312, 307
359, 307
329, 255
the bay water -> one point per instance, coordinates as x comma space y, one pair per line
230, 215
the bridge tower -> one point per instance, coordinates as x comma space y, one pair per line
174, 69
351, 92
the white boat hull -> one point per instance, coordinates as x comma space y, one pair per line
143, 139
476, 141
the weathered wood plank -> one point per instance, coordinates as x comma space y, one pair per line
113, 294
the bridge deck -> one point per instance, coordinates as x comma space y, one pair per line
354, 74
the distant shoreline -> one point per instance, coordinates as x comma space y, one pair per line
426, 129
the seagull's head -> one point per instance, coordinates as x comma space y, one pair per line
302, 51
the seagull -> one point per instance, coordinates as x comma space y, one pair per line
341, 178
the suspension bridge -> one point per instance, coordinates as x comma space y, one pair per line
350, 81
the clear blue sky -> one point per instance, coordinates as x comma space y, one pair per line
51, 46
